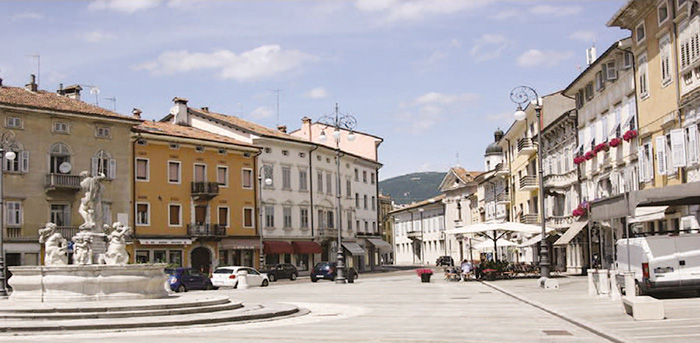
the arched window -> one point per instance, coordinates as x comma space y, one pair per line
60, 154
103, 162
20, 164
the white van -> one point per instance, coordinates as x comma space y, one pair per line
661, 263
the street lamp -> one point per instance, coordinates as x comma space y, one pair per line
524, 96
7, 152
337, 122
268, 181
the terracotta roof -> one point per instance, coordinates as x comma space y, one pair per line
246, 125
20, 97
430, 201
169, 129
465, 175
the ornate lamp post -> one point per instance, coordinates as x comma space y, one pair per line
523, 96
338, 121
268, 181
7, 147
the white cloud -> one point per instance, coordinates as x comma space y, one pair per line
505, 116
558, 11
550, 58
397, 10
97, 36
317, 93
259, 63
505, 14
124, 6
26, 16
586, 36
261, 112
488, 47
425, 111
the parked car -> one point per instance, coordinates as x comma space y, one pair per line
229, 276
445, 261
661, 263
281, 271
186, 279
328, 271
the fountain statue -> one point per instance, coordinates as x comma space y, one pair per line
82, 252
55, 246
116, 251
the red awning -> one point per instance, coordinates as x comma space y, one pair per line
306, 247
277, 247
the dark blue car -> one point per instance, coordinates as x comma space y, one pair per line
185, 279
328, 271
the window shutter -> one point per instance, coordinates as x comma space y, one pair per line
661, 155
612, 72
678, 148
94, 166
24, 161
692, 144
112, 169
642, 168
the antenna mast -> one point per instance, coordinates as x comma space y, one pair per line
278, 104
38, 67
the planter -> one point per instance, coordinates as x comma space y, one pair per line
425, 277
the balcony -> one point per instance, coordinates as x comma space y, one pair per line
67, 231
206, 230
560, 180
328, 232
13, 232
526, 147
62, 182
205, 190
414, 234
502, 170
560, 222
530, 218
503, 198
528, 183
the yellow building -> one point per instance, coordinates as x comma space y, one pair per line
57, 136
195, 198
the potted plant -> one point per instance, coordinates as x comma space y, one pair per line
615, 142
629, 135
601, 147
589, 155
424, 274
579, 159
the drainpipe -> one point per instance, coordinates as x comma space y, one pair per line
257, 194
512, 186
311, 193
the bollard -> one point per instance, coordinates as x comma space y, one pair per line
591, 284
630, 289
603, 283
242, 280
614, 289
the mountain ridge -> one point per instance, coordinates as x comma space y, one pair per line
413, 187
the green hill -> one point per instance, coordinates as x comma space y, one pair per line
413, 187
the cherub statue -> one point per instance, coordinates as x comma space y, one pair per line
55, 246
116, 250
82, 252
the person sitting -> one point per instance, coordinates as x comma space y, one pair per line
466, 270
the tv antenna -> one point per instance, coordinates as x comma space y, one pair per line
38, 67
278, 104
94, 90
114, 102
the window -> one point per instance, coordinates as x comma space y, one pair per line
303, 180
692, 141
223, 216
627, 60
365, 201
268, 173
662, 166
287, 216
222, 176
142, 169
610, 71
143, 215
349, 216
200, 173
357, 225
366, 226
321, 219
103, 132
103, 163
329, 183
357, 175
589, 91
372, 179
175, 214
13, 122
174, 173
348, 185
174, 146
285, 152
364, 176
141, 142
599, 81
199, 149
60, 155
20, 164
320, 181
640, 32
247, 217
579, 99
269, 216
643, 83
330, 222
247, 178
357, 200
374, 206
222, 152
662, 12
304, 217
646, 162
286, 178
302, 155
60, 127
60, 214
678, 148
665, 52
13, 215
268, 150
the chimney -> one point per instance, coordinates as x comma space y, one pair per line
591, 55
72, 92
179, 111
0, 81
136, 113
282, 128
32, 86
205, 109
306, 128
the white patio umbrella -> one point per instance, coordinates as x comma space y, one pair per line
488, 245
496, 231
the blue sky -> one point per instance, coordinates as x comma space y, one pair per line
431, 77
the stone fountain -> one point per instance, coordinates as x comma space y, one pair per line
99, 270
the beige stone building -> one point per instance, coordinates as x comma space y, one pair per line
57, 136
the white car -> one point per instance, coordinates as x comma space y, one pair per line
229, 276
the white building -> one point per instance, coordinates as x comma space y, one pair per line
419, 232
457, 185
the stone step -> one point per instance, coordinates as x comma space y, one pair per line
249, 312
169, 311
